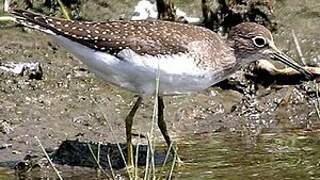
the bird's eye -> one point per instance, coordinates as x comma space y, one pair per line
259, 41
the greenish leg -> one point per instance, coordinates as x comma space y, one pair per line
129, 121
163, 128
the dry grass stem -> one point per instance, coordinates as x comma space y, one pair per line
114, 137
6, 18
136, 162
48, 158
298, 47
97, 159
173, 165
64, 10
166, 158
110, 165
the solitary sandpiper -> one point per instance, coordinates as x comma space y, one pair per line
132, 54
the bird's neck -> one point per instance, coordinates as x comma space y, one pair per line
239, 53
232, 44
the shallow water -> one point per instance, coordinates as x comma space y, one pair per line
271, 155
276, 154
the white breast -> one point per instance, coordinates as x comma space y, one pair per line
178, 73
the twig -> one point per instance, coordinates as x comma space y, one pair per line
281, 75
6, 18
296, 42
64, 10
48, 158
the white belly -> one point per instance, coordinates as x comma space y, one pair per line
178, 74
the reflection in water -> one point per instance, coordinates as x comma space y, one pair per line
6, 174
282, 155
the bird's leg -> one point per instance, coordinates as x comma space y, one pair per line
163, 128
161, 123
129, 121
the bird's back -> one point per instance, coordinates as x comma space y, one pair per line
151, 37
184, 50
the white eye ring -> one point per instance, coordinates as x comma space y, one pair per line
259, 41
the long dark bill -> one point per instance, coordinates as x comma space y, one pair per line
280, 56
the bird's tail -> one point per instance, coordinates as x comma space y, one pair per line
32, 20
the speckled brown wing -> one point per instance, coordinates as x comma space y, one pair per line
152, 37
144, 37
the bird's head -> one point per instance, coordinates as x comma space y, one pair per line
252, 42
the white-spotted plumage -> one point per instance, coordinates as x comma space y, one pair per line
189, 58
185, 56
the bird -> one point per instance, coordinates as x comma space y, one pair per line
133, 54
